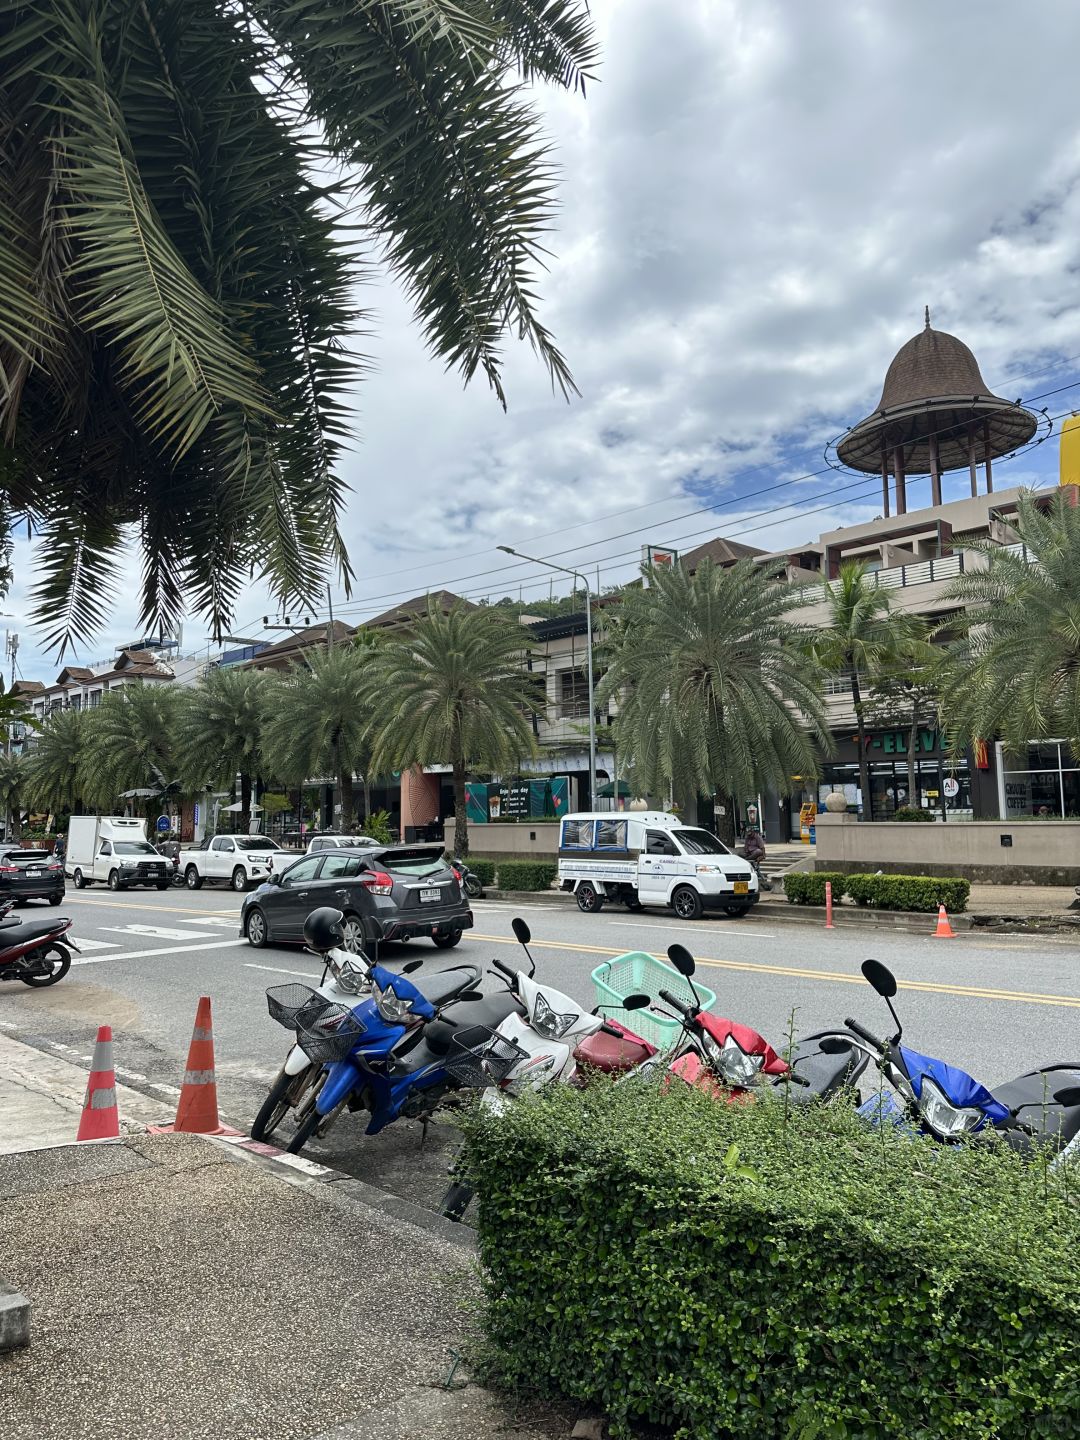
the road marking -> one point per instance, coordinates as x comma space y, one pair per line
143, 905
159, 932
230, 921
163, 950
277, 970
964, 992
97, 944
688, 929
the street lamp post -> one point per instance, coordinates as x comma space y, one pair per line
533, 560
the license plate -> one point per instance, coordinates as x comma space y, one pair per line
427, 896
742, 887
33, 874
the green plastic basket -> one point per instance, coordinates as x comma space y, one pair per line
639, 974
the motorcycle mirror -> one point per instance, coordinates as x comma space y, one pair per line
521, 930
469, 995
1068, 1097
881, 978
833, 1045
412, 966
681, 958
637, 1002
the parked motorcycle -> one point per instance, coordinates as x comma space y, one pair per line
368, 1041
467, 879
30, 950
1038, 1110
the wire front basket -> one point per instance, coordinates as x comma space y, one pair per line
330, 1035
292, 1005
482, 1058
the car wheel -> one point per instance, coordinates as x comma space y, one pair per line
448, 938
239, 879
114, 880
589, 899
256, 931
352, 930
80, 882
55, 899
686, 902
192, 878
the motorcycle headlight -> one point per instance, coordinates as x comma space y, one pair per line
548, 1022
390, 1005
946, 1120
530, 1076
350, 977
730, 1060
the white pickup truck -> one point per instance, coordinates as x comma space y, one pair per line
238, 860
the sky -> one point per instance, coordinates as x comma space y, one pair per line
758, 199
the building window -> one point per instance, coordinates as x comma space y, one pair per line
93, 700
573, 695
1048, 787
76, 702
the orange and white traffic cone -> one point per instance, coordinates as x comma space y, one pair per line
100, 1119
944, 930
197, 1112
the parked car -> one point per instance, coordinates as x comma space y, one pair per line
238, 860
114, 850
30, 875
409, 888
340, 842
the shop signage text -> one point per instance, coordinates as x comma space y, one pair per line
895, 742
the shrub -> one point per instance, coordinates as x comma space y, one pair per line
484, 870
909, 892
809, 888
737, 1270
526, 874
913, 813
378, 827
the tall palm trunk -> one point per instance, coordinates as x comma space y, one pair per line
461, 813
367, 795
348, 797
245, 801
864, 761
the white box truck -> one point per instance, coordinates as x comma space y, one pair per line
113, 850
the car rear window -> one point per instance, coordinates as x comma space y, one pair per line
411, 862
28, 857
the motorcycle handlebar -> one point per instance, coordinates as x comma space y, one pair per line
612, 1030
867, 1035
676, 1003
511, 975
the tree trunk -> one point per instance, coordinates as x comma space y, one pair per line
913, 740
724, 825
864, 762
367, 797
461, 814
245, 802
348, 798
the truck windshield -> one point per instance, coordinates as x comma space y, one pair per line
132, 847
700, 842
254, 842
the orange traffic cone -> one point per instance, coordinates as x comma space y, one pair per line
100, 1119
197, 1112
944, 930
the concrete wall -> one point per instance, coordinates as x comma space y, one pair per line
531, 839
1041, 852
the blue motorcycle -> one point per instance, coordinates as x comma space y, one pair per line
373, 1039
1038, 1110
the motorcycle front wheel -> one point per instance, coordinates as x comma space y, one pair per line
58, 960
286, 1093
456, 1201
313, 1124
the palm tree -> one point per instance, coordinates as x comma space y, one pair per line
177, 266
906, 690
717, 691
219, 732
862, 637
12, 787
452, 689
130, 743
316, 724
56, 761
1014, 671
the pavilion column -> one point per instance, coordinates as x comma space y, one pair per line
884, 482
935, 472
989, 467
901, 480
973, 464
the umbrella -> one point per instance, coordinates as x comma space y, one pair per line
607, 791
235, 809
140, 794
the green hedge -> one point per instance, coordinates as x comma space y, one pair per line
909, 892
913, 813
809, 888
787, 1273
484, 870
526, 874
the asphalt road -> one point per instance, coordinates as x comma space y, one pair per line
994, 1005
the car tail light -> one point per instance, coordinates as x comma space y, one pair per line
9, 869
377, 881
457, 873
55, 867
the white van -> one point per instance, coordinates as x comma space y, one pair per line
113, 849
648, 857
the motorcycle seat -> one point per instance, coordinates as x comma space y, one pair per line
444, 985
825, 1073
18, 932
612, 1054
1035, 1090
489, 1012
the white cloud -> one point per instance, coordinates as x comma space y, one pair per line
759, 198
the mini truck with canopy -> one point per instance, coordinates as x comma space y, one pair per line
650, 857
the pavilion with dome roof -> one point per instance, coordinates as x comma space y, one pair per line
936, 414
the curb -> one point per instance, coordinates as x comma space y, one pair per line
14, 1319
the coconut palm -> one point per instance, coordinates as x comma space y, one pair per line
452, 690
316, 724
55, 763
862, 638
176, 277
219, 733
12, 789
129, 744
1014, 671
717, 691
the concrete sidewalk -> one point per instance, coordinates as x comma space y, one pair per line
182, 1287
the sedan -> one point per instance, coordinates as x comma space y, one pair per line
30, 875
409, 889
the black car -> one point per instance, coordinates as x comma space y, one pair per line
410, 889
30, 875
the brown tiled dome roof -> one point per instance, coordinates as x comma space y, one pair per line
931, 364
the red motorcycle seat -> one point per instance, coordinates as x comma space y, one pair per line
611, 1054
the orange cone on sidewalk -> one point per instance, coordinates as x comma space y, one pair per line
100, 1119
197, 1112
944, 930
